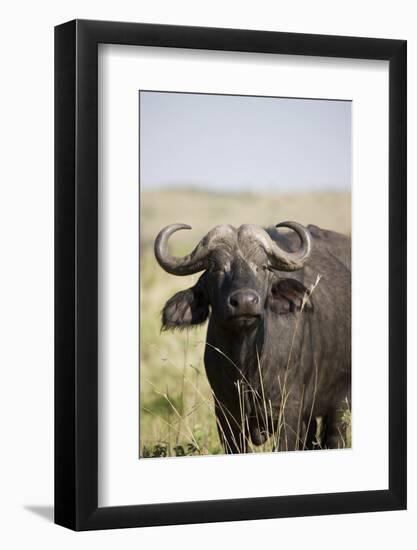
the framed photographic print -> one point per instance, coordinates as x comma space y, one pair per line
230, 274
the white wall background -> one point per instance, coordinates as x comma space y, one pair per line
26, 285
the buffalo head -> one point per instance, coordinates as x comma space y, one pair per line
241, 275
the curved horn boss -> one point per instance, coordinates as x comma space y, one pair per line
199, 258
291, 261
279, 258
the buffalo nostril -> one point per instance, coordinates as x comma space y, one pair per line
234, 302
243, 299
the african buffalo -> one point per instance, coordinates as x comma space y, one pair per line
278, 350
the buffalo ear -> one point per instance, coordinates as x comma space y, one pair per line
288, 296
186, 308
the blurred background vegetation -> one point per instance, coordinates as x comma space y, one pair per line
176, 408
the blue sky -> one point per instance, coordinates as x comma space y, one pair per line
244, 143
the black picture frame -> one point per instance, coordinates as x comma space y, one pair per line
76, 272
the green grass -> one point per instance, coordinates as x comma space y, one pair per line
176, 404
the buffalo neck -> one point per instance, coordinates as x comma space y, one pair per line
240, 348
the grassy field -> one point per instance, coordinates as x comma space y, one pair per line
176, 405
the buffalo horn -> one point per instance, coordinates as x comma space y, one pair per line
198, 259
291, 261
